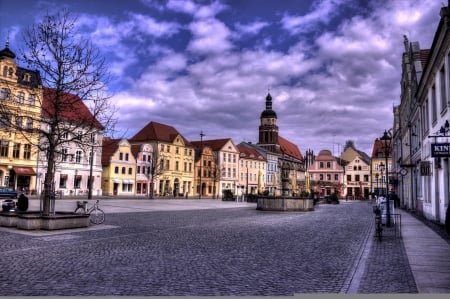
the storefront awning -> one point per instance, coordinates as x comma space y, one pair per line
24, 170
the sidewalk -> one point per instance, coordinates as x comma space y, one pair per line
428, 255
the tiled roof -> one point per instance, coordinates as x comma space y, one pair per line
377, 148
158, 132
249, 153
135, 149
109, 147
324, 155
215, 144
70, 109
289, 149
424, 57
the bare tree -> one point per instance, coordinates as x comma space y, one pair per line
73, 72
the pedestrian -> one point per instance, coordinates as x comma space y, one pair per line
447, 220
22, 203
396, 199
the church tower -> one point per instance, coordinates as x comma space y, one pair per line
268, 129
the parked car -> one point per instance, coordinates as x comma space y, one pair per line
8, 204
8, 192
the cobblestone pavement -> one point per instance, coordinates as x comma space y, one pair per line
234, 251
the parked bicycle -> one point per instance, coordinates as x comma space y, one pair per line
96, 215
378, 223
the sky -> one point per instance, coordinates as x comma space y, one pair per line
332, 67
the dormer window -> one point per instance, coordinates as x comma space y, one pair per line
26, 77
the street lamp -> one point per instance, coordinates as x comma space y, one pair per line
386, 141
201, 161
376, 178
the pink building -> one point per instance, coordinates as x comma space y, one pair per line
326, 175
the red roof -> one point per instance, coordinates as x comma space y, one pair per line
109, 147
424, 57
289, 149
249, 153
67, 107
214, 144
158, 132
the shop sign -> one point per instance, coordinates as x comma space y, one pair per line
440, 150
425, 168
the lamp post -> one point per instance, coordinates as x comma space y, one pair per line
376, 178
201, 161
381, 167
386, 140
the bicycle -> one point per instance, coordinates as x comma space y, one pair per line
378, 224
96, 215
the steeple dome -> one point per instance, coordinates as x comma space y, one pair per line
268, 113
6, 52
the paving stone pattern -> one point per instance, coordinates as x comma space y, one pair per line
224, 252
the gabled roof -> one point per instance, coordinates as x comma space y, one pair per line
377, 148
249, 153
289, 149
68, 108
109, 147
155, 131
215, 144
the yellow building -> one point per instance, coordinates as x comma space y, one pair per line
174, 174
20, 108
119, 167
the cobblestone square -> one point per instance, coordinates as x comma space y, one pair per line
234, 251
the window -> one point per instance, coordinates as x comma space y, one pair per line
27, 152
20, 97
91, 154
5, 94
130, 171
64, 155
321, 177
185, 166
123, 170
120, 156
328, 177
19, 121
65, 135
349, 178
127, 156
328, 164
4, 145
433, 104
116, 169
336, 177
31, 100
79, 135
5, 120
167, 165
443, 89
177, 150
176, 165
16, 150
62, 181
78, 157
320, 164
29, 124
162, 147
139, 170
357, 178
168, 148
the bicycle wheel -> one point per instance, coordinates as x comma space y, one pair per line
80, 210
97, 216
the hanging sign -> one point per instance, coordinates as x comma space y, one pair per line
440, 150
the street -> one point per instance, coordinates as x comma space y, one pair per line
216, 251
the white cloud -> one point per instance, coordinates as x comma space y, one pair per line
209, 36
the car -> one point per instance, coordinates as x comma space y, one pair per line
8, 205
8, 192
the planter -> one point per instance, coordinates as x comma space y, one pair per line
36, 221
285, 204
8, 219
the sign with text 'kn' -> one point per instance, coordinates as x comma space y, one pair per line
440, 150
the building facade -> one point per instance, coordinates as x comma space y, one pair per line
119, 168
20, 108
252, 171
174, 175
326, 175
